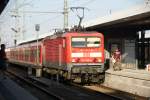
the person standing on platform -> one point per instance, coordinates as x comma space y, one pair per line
3, 60
116, 56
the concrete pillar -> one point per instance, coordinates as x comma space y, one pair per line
29, 71
142, 49
69, 75
149, 50
38, 72
137, 50
111, 64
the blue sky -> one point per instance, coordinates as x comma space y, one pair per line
96, 8
50, 21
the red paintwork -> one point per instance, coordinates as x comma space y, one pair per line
87, 50
54, 46
52, 50
25, 54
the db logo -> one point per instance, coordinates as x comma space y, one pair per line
86, 54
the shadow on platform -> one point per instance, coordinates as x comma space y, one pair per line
9, 90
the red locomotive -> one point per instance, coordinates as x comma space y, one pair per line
72, 55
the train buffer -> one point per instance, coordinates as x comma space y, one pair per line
9, 90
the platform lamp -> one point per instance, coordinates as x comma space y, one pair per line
147, 2
16, 31
38, 70
37, 29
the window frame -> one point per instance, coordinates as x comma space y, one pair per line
86, 37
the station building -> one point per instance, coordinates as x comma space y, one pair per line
126, 30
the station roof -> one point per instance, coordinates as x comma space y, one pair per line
133, 19
3, 3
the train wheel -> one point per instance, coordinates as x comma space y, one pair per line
101, 78
62, 76
82, 79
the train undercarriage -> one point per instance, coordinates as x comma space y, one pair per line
80, 74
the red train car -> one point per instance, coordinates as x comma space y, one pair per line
73, 55
26, 54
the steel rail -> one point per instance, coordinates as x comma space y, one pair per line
35, 85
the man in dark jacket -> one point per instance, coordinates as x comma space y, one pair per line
3, 59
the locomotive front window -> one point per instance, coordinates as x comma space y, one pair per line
93, 42
85, 42
78, 42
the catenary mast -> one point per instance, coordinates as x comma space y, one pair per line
65, 14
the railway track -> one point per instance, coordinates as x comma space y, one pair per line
49, 86
62, 91
39, 87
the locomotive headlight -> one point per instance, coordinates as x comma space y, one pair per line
73, 60
99, 60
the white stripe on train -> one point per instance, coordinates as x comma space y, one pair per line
81, 54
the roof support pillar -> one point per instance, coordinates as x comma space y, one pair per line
142, 49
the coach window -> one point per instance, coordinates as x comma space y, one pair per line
28, 53
25, 54
35, 52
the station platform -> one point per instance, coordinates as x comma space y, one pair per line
9, 90
136, 82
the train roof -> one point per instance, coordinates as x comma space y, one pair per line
55, 35
33, 39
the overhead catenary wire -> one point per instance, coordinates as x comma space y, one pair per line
87, 3
47, 12
43, 22
44, 12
